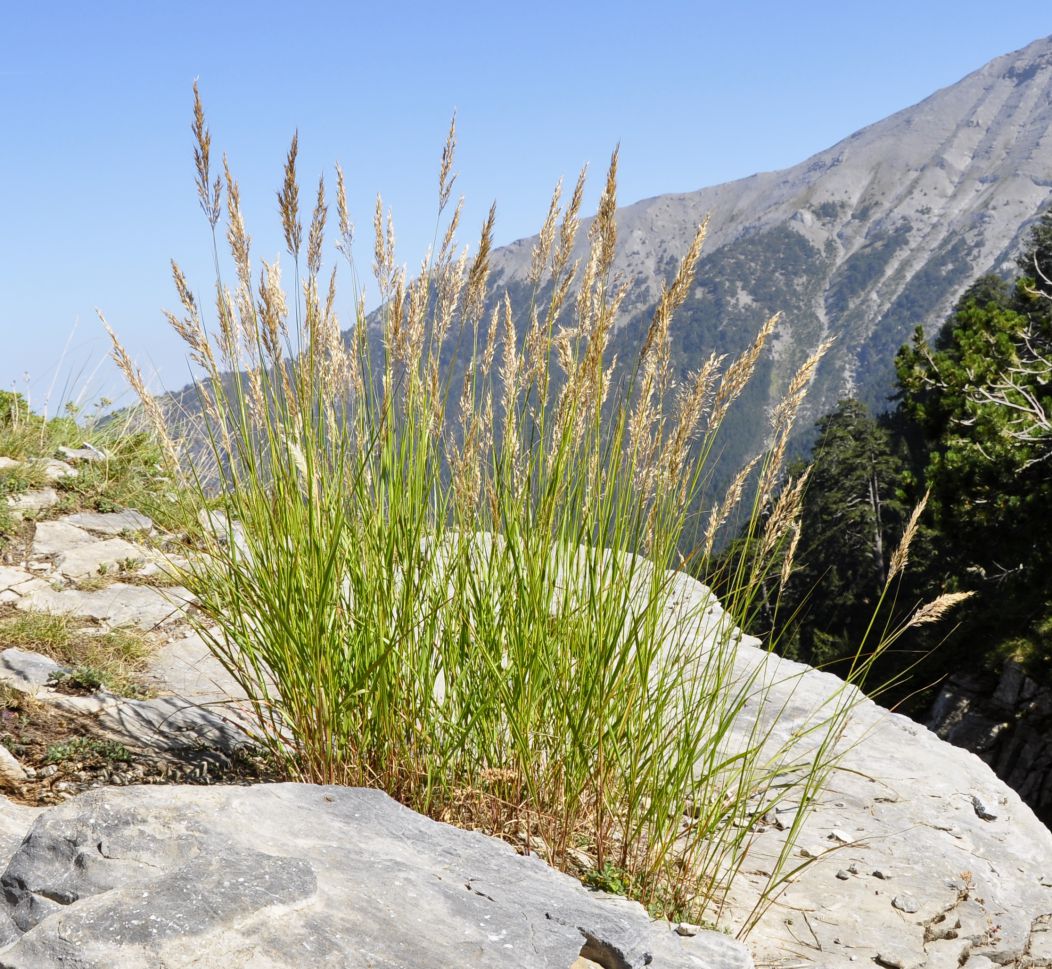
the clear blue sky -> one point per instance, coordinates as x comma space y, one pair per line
96, 170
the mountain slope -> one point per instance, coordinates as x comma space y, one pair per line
863, 241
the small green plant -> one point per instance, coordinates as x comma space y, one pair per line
80, 679
80, 748
610, 878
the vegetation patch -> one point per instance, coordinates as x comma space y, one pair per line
456, 577
114, 658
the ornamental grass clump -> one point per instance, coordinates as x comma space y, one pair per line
446, 560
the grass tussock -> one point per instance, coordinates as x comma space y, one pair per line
448, 561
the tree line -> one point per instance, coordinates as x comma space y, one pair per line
969, 434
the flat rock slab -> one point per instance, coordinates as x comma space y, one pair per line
97, 558
187, 668
57, 537
116, 605
12, 579
26, 671
292, 875
162, 725
111, 523
33, 501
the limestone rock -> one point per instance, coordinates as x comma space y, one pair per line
8, 464
56, 470
295, 875
96, 558
187, 668
111, 523
15, 580
12, 773
26, 671
87, 453
118, 604
56, 537
905, 797
31, 502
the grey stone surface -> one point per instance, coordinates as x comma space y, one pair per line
187, 668
56, 470
87, 453
111, 523
11, 771
162, 725
32, 501
56, 537
118, 604
905, 798
13, 579
295, 875
8, 464
26, 671
97, 558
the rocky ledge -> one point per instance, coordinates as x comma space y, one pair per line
916, 856
290, 875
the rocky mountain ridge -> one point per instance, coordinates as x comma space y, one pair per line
861, 242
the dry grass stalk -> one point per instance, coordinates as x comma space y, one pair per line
208, 191
936, 609
542, 249
153, 410
902, 553
784, 516
346, 243
289, 202
690, 411
316, 233
790, 556
603, 231
783, 418
720, 513
446, 175
475, 298
737, 375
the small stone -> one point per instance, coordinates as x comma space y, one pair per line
86, 453
853, 868
843, 875
877, 873
836, 835
687, 929
11, 771
56, 470
905, 903
33, 501
981, 811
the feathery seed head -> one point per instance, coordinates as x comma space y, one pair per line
289, 202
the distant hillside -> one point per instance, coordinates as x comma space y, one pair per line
863, 241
